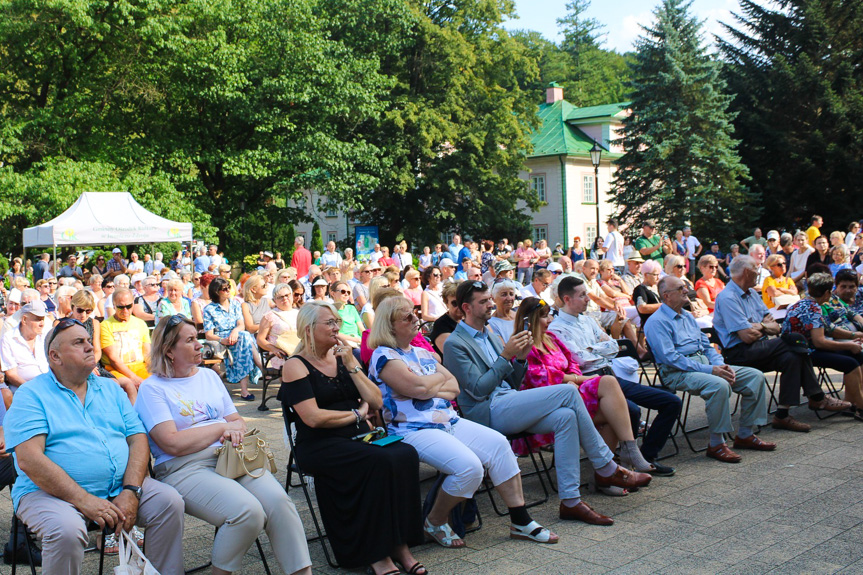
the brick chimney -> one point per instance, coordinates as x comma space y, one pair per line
554, 93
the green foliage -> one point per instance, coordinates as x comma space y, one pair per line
799, 105
317, 243
681, 163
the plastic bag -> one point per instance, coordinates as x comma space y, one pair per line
132, 560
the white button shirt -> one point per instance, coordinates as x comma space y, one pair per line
16, 354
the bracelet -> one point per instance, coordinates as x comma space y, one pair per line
357, 415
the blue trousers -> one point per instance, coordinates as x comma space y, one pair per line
667, 406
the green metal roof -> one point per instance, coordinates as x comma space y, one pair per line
557, 134
596, 112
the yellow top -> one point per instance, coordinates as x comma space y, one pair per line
784, 282
130, 336
812, 233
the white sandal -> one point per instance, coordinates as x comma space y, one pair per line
137, 536
442, 534
533, 531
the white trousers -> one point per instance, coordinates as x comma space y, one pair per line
463, 454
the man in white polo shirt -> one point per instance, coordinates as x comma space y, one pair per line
613, 246
22, 349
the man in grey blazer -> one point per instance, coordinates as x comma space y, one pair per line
490, 373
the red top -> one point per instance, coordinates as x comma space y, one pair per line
301, 260
718, 286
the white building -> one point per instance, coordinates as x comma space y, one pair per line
560, 171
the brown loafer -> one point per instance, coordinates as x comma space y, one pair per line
584, 512
624, 478
723, 453
790, 424
753, 442
829, 404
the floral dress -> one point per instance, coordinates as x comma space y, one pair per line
803, 317
548, 369
241, 361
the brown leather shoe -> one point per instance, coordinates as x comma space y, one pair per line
829, 404
624, 478
584, 512
723, 453
753, 442
790, 424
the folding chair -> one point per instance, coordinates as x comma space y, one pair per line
290, 418
29, 543
546, 469
267, 377
825, 381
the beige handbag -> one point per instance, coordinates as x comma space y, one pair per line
251, 456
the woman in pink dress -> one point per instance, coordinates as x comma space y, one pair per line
550, 362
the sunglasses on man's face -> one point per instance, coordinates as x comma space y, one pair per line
124, 306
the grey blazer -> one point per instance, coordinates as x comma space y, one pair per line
476, 378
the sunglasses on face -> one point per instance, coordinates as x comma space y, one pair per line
109, 286
124, 306
52, 283
225, 289
436, 275
299, 294
680, 266
343, 291
64, 323
83, 311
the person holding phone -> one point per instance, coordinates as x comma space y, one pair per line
550, 362
417, 391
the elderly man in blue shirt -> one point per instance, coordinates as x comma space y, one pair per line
81, 454
687, 362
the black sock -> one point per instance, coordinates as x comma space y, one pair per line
781, 413
817, 396
519, 515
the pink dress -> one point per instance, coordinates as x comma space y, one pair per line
548, 369
419, 340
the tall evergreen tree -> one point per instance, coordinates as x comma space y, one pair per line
796, 70
681, 163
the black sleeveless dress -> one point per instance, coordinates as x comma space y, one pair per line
369, 496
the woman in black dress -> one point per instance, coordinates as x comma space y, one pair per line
369, 496
821, 255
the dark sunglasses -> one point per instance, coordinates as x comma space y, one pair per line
64, 323
174, 321
680, 266
343, 291
109, 286
83, 311
556, 273
124, 306
436, 275
225, 289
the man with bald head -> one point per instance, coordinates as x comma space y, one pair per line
81, 454
687, 362
749, 336
125, 343
759, 255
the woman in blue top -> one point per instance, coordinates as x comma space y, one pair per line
223, 322
417, 391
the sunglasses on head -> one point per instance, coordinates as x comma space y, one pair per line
64, 323
174, 321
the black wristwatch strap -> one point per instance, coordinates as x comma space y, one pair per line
136, 489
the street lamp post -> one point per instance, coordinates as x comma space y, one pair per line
595, 156
243, 255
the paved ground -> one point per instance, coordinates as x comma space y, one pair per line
797, 510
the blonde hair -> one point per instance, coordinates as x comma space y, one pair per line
840, 249
709, 259
253, 281
159, 363
383, 333
383, 294
307, 321
605, 264
672, 260
224, 268
449, 290
83, 298
377, 283
528, 242
176, 284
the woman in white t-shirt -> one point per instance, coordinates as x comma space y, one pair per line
188, 413
502, 321
431, 300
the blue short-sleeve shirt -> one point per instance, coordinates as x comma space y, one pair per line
736, 310
87, 441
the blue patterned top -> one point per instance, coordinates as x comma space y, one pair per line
804, 316
404, 414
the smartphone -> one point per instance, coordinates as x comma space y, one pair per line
526, 325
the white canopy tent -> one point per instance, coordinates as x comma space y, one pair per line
106, 218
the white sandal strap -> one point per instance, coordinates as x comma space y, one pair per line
449, 536
532, 530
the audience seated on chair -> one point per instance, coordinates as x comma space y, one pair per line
490, 373
417, 391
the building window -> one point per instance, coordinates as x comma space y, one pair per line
446, 238
331, 213
590, 234
537, 184
331, 237
587, 195
540, 233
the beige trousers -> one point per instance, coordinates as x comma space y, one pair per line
64, 531
240, 508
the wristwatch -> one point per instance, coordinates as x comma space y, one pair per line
356, 369
136, 489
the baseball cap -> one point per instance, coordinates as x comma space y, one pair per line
447, 263
635, 257
554, 267
772, 235
35, 307
268, 254
374, 266
320, 282
15, 295
116, 251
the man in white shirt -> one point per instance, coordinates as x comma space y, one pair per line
540, 286
377, 254
215, 259
693, 248
135, 265
613, 246
759, 254
22, 349
158, 263
331, 258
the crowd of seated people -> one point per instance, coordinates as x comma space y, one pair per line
473, 353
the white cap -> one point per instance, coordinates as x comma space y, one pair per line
772, 235
554, 267
116, 251
140, 276
35, 307
15, 295
447, 263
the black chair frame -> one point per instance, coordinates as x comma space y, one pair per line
268, 376
30, 544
